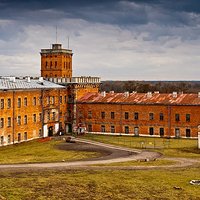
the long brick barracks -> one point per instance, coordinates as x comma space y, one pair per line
58, 103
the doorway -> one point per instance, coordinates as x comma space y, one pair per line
50, 131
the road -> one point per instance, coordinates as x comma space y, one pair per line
110, 154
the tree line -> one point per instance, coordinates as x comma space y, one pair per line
151, 86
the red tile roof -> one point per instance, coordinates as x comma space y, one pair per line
141, 98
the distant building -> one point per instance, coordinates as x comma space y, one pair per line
139, 114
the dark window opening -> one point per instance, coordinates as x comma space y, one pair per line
126, 115
161, 132
151, 131
177, 117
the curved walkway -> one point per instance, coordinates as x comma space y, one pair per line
117, 154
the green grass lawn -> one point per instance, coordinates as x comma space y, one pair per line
159, 162
34, 151
160, 184
168, 147
100, 185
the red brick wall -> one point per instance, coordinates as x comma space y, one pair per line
33, 129
169, 124
62, 69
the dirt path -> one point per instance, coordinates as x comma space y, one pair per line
109, 154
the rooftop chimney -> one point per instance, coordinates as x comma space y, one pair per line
103, 94
174, 94
28, 79
41, 80
149, 94
126, 94
12, 79
112, 92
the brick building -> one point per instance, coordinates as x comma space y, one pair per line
56, 62
30, 109
56, 66
154, 114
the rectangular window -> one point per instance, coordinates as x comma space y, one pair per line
187, 117
60, 99
136, 131
2, 139
188, 132
25, 101
103, 128
52, 100
136, 115
40, 100
40, 132
9, 103
25, 136
151, 116
126, 129
48, 115
25, 119
34, 101
112, 114
9, 139
177, 117
89, 127
19, 120
161, 132
65, 99
48, 100
2, 103
151, 131
177, 132
55, 64
112, 129
19, 102
2, 123
126, 115
89, 114
40, 117
161, 117
103, 115
34, 118
9, 121
54, 116
19, 137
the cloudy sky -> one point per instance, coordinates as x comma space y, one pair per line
113, 39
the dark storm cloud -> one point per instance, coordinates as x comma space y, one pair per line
155, 38
111, 12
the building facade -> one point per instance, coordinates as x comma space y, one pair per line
30, 109
56, 66
56, 62
151, 114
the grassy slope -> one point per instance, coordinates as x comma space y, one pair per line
97, 185
168, 147
34, 151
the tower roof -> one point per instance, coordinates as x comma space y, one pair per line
56, 48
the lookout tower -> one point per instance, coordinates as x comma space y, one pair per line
56, 62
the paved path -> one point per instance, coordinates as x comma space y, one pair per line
135, 154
